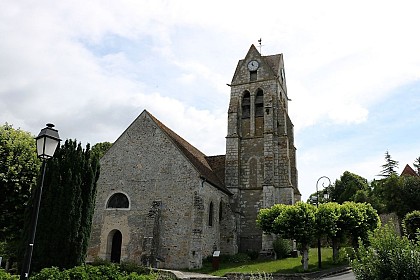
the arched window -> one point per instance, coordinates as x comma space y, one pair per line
246, 105
118, 200
259, 104
211, 214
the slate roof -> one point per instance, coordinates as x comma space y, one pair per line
273, 61
196, 157
217, 164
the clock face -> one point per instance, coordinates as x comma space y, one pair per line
253, 65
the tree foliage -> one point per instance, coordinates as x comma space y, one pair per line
358, 219
417, 165
411, 224
389, 256
349, 187
19, 167
390, 166
398, 194
304, 222
296, 222
99, 149
327, 217
66, 207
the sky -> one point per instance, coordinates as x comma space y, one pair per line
91, 67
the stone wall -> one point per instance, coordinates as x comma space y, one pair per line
169, 203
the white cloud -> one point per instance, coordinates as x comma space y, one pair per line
93, 66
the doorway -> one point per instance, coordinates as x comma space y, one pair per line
116, 246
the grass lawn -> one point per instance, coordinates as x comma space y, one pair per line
289, 265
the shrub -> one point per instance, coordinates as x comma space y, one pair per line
130, 267
239, 258
282, 247
388, 257
52, 273
89, 272
411, 224
6, 276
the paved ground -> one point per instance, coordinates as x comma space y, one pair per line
349, 275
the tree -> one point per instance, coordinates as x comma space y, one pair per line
399, 194
417, 165
350, 187
358, 220
327, 218
296, 222
66, 207
99, 149
19, 167
390, 166
266, 217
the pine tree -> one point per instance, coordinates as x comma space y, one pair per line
390, 166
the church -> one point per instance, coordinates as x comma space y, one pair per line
163, 203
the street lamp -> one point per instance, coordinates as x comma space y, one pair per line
317, 203
46, 143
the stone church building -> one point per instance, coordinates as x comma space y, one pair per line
162, 202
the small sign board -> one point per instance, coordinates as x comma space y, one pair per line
216, 253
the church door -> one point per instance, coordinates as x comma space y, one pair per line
116, 247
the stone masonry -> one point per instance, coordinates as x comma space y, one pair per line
163, 203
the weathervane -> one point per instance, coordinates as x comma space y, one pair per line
260, 46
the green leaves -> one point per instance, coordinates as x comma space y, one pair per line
297, 222
389, 256
411, 224
66, 207
19, 167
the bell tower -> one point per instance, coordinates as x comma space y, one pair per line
260, 153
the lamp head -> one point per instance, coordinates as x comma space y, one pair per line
47, 142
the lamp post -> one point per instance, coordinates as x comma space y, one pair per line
317, 204
46, 144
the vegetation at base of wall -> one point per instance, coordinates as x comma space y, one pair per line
93, 272
389, 256
282, 247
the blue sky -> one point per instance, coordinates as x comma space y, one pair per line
352, 71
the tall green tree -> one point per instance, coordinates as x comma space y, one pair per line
400, 195
390, 167
66, 207
349, 188
19, 168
